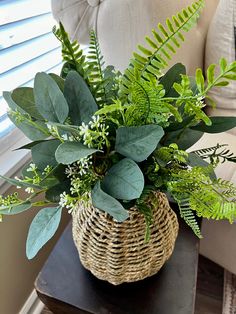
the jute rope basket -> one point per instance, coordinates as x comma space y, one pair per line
116, 252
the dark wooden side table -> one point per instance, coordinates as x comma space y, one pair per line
66, 287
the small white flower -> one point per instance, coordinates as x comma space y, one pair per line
63, 199
95, 123
84, 129
29, 190
64, 137
32, 168
70, 171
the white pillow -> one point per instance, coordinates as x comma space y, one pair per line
122, 24
77, 16
221, 43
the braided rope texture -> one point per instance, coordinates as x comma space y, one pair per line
116, 252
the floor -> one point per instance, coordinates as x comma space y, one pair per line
209, 295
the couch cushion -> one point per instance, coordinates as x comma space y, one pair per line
122, 24
221, 43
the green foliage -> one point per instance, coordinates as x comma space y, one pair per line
184, 138
186, 213
227, 73
15, 208
109, 204
33, 129
218, 125
150, 61
49, 99
81, 102
173, 75
217, 201
216, 154
148, 105
139, 142
69, 152
42, 229
90, 128
24, 98
146, 209
43, 154
99, 83
124, 181
72, 54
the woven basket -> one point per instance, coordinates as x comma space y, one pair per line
116, 252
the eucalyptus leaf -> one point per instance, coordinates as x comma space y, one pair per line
31, 144
59, 80
179, 125
59, 172
24, 98
108, 204
35, 130
53, 193
49, 99
72, 129
20, 183
124, 180
42, 229
43, 154
173, 75
184, 138
11, 104
82, 105
219, 124
47, 180
69, 152
15, 209
138, 142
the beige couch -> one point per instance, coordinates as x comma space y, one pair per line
122, 24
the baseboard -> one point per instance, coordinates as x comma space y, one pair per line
32, 305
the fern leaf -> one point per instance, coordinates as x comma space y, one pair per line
71, 53
146, 209
163, 44
102, 80
147, 106
216, 154
187, 214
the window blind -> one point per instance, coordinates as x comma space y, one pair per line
27, 46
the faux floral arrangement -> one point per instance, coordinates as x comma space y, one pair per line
111, 139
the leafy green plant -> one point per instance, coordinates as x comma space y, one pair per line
111, 139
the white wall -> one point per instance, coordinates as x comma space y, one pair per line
17, 274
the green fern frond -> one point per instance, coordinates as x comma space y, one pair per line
147, 190
96, 76
227, 72
214, 204
215, 154
186, 213
102, 80
152, 59
72, 54
145, 209
148, 106
211, 199
226, 188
